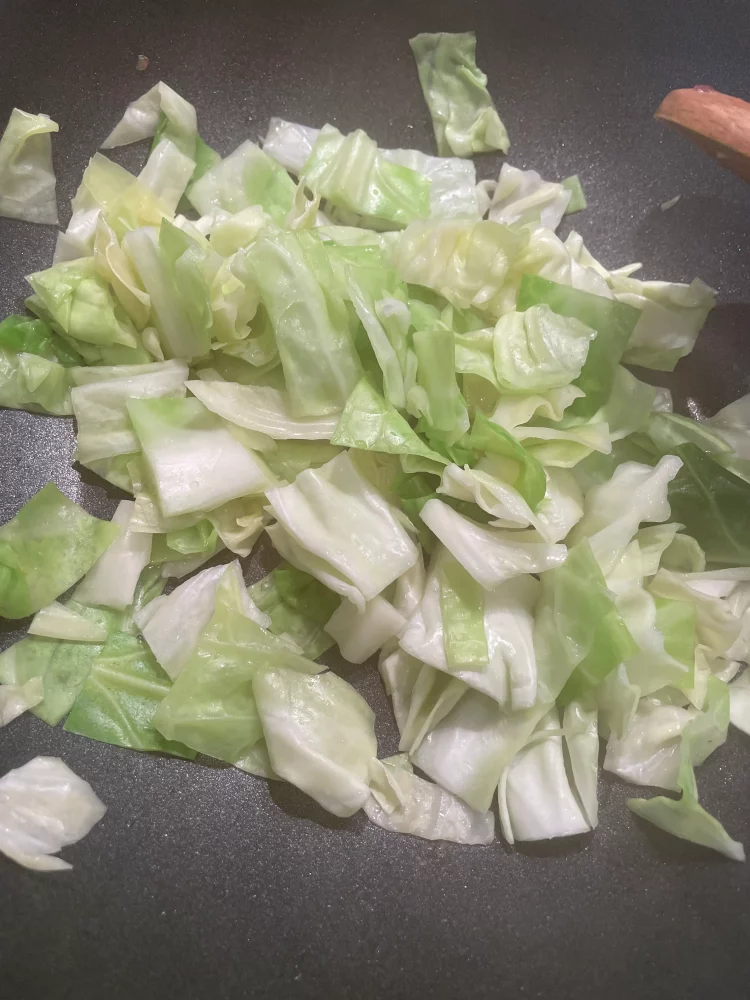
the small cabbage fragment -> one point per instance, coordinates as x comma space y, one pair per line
320, 736
537, 798
113, 578
455, 89
577, 201
351, 174
263, 409
334, 525
360, 634
120, 696
739, 702
537, 350
422, 809
27, 178
44, 807
15, 699
671, 318
171, 625
45, 549
195, 462
211, 707
490, 555
58, 622
298, 607
369, 422
247, 178
523, 198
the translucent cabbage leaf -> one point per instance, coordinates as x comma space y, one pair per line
113, 578
171, 625
579, 636
333, 524
468, 750
44, 807
30, 382
360, 634
263, 409
320, 736
160, 110
63, 665
167, 174
483, 638
490, 555
211, 706
15, 699
320, 363
614, 511
298, 607
455, 89
45, 549
537, 350
370, 423
402, 802
467, 262
248, 177
27, 178
537, 799
58, 622
100, 405
79, 302
349, 172
685, 817
195, 463
613, 322
670, 320
714, 505
523, 198
524, 472
120, 696
452, 180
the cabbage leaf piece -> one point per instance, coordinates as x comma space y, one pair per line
45, 549
120, 696
333, 524
44, 806
351, 174
27, 178
455, 89
320, 735
613, 322
402, 802
211, 706
195, 463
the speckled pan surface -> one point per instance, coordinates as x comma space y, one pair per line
205, 884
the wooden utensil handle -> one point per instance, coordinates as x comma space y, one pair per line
716, 122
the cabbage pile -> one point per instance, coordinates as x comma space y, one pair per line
420, 394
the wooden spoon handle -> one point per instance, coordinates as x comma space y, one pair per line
716, 122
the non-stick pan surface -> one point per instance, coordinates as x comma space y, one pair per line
202, 883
